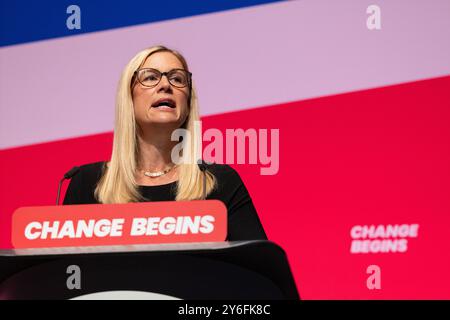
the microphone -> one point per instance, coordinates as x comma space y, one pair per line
68, 175
202, 166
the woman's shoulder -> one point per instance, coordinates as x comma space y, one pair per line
220, 169
93, 170
224, 173
88, 174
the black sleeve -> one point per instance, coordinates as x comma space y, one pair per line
243, 220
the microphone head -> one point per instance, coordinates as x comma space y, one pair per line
69, 174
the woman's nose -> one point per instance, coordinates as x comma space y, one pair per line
164, 84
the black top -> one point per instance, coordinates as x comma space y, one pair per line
243, 221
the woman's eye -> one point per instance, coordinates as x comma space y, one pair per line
150, 78
177, 79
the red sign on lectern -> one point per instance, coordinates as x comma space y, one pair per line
119, 224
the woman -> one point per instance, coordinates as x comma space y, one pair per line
155, 97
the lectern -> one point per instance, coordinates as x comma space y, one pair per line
211, 270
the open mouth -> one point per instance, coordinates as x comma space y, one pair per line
164, 103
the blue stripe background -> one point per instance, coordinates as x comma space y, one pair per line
26, 21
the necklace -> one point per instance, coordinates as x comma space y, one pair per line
157, 173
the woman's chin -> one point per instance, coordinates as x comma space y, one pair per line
163, 120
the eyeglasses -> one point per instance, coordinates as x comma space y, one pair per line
149, 77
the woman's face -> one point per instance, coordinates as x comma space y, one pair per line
146, 108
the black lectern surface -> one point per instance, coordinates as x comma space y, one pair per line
216, 270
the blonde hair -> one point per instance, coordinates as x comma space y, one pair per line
118, 183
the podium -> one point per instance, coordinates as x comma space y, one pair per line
211, 270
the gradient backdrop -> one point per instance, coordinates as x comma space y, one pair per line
364, 118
